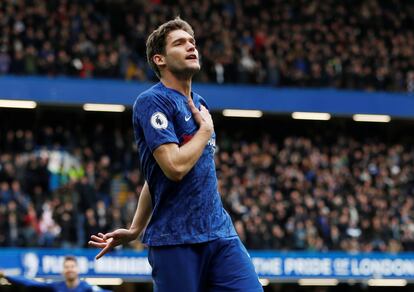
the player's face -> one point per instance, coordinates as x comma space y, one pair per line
181, 55
70, 270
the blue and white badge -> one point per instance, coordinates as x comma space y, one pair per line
159, 121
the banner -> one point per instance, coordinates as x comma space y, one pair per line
43, 263
280, 266
338, 265
70, 91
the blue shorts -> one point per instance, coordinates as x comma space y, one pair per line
219, 265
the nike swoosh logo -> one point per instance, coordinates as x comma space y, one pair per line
187, 118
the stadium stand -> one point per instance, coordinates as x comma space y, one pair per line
313, 192
349, 44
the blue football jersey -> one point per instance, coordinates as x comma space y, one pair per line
53, 286
188, 211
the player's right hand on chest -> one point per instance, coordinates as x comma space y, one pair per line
202, 117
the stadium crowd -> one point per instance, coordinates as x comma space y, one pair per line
292, 193
345, 44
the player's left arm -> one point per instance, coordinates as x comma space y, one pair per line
122, 236
143, 212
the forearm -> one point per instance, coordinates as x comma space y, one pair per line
177, 161
143, 211
188, 154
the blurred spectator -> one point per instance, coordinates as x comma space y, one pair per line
66, 218
31, 227
49, 229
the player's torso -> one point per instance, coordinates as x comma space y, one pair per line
188, 211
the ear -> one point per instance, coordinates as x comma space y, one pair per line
159, 60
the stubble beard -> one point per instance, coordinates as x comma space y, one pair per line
185, 73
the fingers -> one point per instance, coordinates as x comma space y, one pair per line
206, 117
201, 115
108, 235
203, 109
97, 244
100, 241
97, 239
205, 114
106, 248
103, 252
193, 108
191, 104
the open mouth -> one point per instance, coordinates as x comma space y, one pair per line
191, 57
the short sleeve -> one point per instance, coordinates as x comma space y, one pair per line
155, 115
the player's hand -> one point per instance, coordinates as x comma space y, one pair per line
110, 240
202, 116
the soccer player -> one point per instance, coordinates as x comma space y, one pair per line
71, 283
192, 243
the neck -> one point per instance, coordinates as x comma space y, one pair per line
181, 84
72, 283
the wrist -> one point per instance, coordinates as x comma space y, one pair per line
135, 232
205, 127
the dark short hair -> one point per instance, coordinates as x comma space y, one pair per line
70, 258
156, 41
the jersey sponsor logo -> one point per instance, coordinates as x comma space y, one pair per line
159, 121
187, 118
